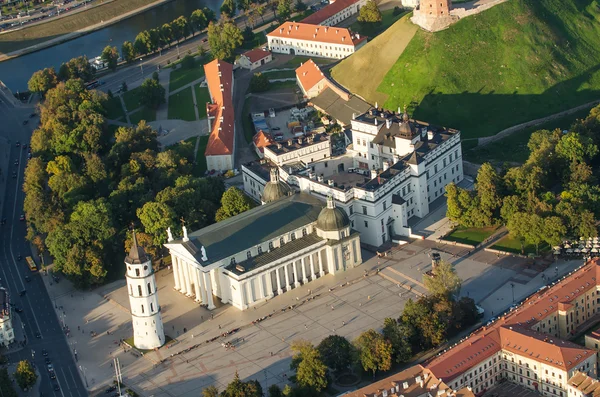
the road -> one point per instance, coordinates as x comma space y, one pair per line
36, 16
38, 315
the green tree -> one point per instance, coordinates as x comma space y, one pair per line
223, 38
401, 350
152, 94
76, 68
244, 5
260, 11
259, 83
274, 391
110, 56
128, 52
554, 230
124, 87
517, 227
488, 186
210, 391
181, 28
369, 13
237, 388
534, 234
510, 205
310, 370
166, 32
576, 148
233, 202
375, 353
42, 80
154, 39
142, 43
156, 218
444, 280
284, 10
299, 6
337, 352
198, 21
454, 211
25, 375
188, 62
228, 8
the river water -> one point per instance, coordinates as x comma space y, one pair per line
16, 72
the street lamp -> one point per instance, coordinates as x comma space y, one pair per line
142, 67
84, 375
512, 285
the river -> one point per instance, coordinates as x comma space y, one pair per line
16, 72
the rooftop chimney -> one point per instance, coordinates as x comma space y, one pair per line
386, 165
388, 123
330, 182
429, 134
290, 142
279, 145
320, 178
300, 141
373, 173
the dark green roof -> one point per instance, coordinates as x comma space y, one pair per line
331, 219
267, 257
275, 190
253, 227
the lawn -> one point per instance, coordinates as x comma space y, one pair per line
280, 74
298, 59
36, 34
246, 122
181, 105
471, 235
200, 166
514, 147
283, 84
132, 99
373, 29
510, 244
143, 114
114, 109
385, 49
180, 77
516, 62
202, 97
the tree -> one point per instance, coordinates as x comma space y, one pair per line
259, 83
299, 6
166, 32
188, 62
237, 388
42, 80
517, 227
443, 281
284, 10
454, 211
224, 37
124, 87
401, 350
128, 52
233, 202
210, 391
156, 218
260, 11
275, 391
25, 375
155, 39
181, 28
110, 56
375, 353
310, 370
488, 186
554, 230
510, 205
576, 147
198, 21
244, 5
76, 68
369, 13
142, 43
337, 352
152, 94
228, 8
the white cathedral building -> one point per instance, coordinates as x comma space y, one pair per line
148, 332
289, 241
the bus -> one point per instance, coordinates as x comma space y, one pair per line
31, 264
92, 84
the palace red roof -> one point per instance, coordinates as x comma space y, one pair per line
328, 11
322, 34
219, 77
262, 140
309, 74
256, 54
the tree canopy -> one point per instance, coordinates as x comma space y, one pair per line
337, 352
152, 94
375, 353
369, 13
224, 37
42, 80
25, 374
443, 280
110, 56
310, 370
233, 202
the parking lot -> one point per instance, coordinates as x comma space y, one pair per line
509, 389
288, 124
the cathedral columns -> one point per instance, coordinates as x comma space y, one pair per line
304, 278
208, 283
261, 288
279, 290
202, 287
181, 273
198, 285
296, 280
175, 271
313, 276
188, 278
269, 284
321, 272
287, 279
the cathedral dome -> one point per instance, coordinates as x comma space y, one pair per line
332, 218
406, 128
275, 189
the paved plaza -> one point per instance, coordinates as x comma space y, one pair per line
345, 304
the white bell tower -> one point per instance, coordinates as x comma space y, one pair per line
148, 330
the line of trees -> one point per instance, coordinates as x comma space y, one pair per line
553, 195
46, 79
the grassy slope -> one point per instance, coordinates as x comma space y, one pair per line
518, 61
361, 72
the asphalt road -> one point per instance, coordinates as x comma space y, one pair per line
38, 315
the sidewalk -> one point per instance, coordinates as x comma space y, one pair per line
34, 391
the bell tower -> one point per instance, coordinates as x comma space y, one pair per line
148, 330
435, 8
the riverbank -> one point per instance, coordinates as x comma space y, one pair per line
70, 27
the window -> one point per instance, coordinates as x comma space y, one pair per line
364, 209
151, 307
384, 205
293, 236
281, 241
259, 250
366, 224
149, 289
142, 308
351, 210
270, 245
232, 261
137, 272
131, 293
304, 233
248, 255
371, 145
139, 290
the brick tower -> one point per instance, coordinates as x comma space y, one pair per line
436, 8
434, 15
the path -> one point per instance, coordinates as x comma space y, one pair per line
125, 109
511, 130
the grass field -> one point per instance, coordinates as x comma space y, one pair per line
114, 109
143, 114
374, 60
471, 235
514, 147
180, 77
510, 244
181, 105
23, 38
280, 74
202, 97
298, 59
132, 99
518, 61
373, 29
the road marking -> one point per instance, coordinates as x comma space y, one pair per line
57, 381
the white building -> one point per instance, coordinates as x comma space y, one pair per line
148, 330
410, 3
298, 38
254, 59
334, 13
7, 333
266, 251
394, 169
305, 150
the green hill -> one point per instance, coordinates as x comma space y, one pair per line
518, 61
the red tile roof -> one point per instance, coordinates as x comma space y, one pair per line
262, 140
328, 11
256, 54
513, 331
322, 34
219, 77
309, 74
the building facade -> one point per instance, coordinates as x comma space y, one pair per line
266, 251
393, 170
254, 59
335, 12
220, 149
148, 332
298, 38
7, 333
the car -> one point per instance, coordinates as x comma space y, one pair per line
22, 217
24, 146
28, 156
25, 122
276, 128
110, 389
204, 40
18, 144
18, 309
14, 175
27, 279
44, 352
38, 335
16, 161
23, 292
279, 138
47, 360
56, 387
56, 279
50, 368
52, 375
32, 115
